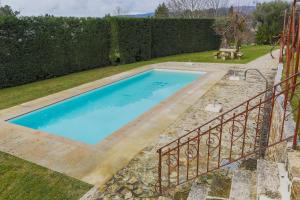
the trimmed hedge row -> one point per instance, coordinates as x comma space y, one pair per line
175, 36
38, 48
141, 39
131, 40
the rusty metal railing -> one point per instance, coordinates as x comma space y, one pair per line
249, 129
230, 137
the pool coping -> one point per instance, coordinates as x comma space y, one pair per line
95, 164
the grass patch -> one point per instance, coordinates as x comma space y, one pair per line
20, 94
22, 180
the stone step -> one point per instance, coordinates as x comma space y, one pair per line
268, 181
215, 198
242, 185
285, 183
198, 192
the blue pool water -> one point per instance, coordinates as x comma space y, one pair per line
92, 116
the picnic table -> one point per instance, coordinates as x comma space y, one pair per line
225, 54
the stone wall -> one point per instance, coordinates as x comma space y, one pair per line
280, 127
283, 152
277, 153
293, 166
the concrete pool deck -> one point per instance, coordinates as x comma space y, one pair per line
95, 164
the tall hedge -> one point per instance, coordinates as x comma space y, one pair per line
131, 40
175, 36
38, 48
140, 39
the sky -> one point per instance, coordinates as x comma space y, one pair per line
85, 8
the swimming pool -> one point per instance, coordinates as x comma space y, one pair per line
92, 116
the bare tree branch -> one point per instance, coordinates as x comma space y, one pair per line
196, 8
186, 8
119, 11
216, 5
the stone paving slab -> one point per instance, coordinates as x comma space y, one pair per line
268, 181
198, 192
241, 187
294, 173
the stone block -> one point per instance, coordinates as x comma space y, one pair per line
215, 107
198, 192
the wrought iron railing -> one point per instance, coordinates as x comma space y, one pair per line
232, 136
249, 129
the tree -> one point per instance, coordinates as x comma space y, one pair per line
197, 8
119, 11
162, 11
231, 28
8, 11
269, 19
107, 16
186, 8
216, 5
237, 22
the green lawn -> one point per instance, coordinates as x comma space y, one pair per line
22, 180
16, 95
